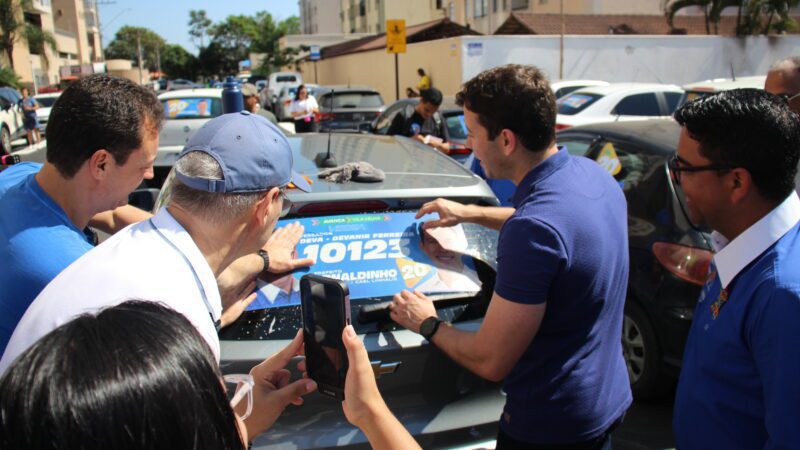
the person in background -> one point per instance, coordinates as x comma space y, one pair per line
553, 329
56, 395
303, 109
30, 120
736, 163
251, 100
783, 78
420, 121
424, 84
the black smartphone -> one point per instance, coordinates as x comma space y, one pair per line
326, 311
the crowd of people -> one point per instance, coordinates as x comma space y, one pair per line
105, 346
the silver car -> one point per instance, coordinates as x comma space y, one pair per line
442, 404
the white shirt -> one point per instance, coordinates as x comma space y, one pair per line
733, 256
153, 260
303, 106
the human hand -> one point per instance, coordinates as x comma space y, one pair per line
235, 302
419, 137
281, 249
450, 213
362, 400
273, 391
410, 309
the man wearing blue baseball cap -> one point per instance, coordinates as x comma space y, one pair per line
228, 195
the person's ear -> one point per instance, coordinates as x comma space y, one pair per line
99, 164
267, 201
508, 141
740, 184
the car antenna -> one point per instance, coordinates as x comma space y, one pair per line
326, 159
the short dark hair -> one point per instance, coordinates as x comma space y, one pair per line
432, 96
421, 72
100, 112
513, 97
135, 376
751, 129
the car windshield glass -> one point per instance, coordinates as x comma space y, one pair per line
46, 102
377, 255
352, 100
456, 128
286, 79
192, 108
575, 103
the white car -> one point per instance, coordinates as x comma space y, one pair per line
11, 126
563, 87
617, 102
45, 102
703, 88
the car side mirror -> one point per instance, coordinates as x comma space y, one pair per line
365, 127
144, 199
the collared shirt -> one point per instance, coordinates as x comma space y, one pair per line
739, 380
154, 260
566, 245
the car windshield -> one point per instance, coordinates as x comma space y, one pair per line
192, 108
46, 102
574, 103
456, 128
286, 79
351, 100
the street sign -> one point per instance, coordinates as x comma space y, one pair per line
396, 36
315, 56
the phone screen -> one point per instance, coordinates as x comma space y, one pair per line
325, 314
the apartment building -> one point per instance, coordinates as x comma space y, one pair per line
320, 16
370, 16
75, 26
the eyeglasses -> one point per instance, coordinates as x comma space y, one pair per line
239, 386
789, 99
677, 165
287, 204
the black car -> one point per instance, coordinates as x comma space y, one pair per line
447, 123
669, 259
347, 108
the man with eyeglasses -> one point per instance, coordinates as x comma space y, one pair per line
736, 162
783, 78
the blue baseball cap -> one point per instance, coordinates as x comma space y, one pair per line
253, 153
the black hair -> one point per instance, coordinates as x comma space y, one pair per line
135, 376
751, 129
297, 92
100, 112
421, 72
432, 96
513, 97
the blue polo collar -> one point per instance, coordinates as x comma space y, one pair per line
542, 170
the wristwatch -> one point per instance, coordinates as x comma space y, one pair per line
429, 326
265, 256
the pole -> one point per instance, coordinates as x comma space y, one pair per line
396, 78
316, 81
139, 55
561, 45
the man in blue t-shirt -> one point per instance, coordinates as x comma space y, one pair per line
102, 140
552, 332
736, 162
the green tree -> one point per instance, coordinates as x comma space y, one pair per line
176, 62
13, 28
9, 78
124, 46
199, 25
268, 41
712, 10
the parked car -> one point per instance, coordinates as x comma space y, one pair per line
185, 111
669, 259
174, 85
46, 102
441, 403
275, 83
11, 118
347, 107
617, 102
447, 122
703, 88
563, 87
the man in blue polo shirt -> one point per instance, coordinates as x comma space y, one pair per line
552, 332
739, 386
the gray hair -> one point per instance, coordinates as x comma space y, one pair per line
214, 207
794, 60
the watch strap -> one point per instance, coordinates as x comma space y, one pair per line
265, 257
433, 328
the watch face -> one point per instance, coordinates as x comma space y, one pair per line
426, 327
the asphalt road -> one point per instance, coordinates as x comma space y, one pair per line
647, 426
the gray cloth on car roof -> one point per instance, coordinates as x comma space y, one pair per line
361, 171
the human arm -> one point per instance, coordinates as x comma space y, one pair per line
363, 405
116, 219
452, 213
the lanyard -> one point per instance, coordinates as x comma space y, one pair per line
191, 267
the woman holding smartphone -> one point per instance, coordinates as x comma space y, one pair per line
303, 109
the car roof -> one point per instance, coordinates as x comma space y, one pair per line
628, 87
199, 92
346, 88
724, 84
566, 83
660, 135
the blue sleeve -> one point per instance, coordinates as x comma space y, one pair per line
774, 338
476, 168
530, 254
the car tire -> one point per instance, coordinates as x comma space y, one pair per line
5, 141
642, 355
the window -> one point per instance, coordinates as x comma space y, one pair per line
575, 147
574, 103
638, 105
385, 121
351, 100
566, 90
480, 7
494, 5
673, 100
456, 129
439, 4
517, 5
505, 5
192, 108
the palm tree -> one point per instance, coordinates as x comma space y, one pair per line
712, 10
13, 28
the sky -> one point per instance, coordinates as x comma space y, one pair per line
170, 18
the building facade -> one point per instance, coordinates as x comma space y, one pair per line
320, 16
370, 16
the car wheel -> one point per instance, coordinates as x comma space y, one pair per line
642, 354
5, 141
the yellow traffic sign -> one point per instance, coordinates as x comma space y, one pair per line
396, 36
